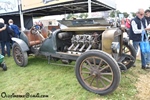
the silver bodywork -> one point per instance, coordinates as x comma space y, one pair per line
22, 44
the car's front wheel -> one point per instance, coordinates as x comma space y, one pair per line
97, 72
19, 56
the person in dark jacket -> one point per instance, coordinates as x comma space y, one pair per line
14, 28
147, 16
139, 24
5, 38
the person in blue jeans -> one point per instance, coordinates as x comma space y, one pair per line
5, 38
139, 24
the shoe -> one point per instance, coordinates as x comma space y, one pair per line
146, 67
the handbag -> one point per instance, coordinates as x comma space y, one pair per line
144, 44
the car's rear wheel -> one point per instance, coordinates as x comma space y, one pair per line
97, 72
19, 56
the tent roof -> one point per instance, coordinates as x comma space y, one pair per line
77, 6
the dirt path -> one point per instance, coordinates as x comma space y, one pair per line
143, 86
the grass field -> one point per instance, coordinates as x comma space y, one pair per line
59, 82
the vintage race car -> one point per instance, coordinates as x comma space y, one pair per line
99, 51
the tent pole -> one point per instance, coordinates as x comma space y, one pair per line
115, 18
65, 15
21, 15
89, 9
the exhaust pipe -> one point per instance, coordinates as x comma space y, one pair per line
82, 48
76, 47
70, 47
89, 47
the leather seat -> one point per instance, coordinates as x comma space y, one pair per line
33, 39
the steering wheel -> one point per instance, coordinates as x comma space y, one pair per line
33, 30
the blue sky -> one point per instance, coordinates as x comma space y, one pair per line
131, 5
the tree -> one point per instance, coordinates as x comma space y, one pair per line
71, 16
83, 15
125, 14
133, 14
112, 14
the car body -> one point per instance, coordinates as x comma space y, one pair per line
100, 51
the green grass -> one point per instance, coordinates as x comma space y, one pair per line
58, 82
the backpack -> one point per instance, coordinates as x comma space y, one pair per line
127, 23
15, 29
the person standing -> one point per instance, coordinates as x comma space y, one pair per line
139, 24
147, 16
14, 28
127, 25
5, 38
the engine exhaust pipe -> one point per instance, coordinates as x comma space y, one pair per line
70, 47
89, 47
76, 47
82, 48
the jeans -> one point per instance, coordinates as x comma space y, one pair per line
3, 48
145, 57
136, 46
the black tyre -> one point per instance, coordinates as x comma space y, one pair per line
4, 67
19, 56
97, 72
128, 49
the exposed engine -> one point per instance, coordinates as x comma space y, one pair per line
71, 43
85, 42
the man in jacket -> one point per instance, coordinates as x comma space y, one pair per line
14, 28
139, 24
5, 38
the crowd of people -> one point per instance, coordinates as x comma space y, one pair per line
38, 25
135, 29
9, 31
6, 32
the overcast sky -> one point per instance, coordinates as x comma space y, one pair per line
132, 5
